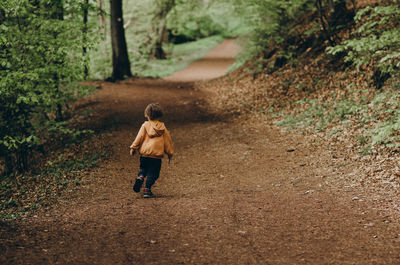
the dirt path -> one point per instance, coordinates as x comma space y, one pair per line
238, 192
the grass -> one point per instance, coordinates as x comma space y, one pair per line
179, 56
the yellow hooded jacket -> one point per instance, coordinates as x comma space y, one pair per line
153, 140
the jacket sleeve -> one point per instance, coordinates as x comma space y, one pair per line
168, 146
139, 138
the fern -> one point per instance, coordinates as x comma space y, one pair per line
376, 40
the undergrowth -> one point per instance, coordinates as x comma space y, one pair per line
372, 115
25, 193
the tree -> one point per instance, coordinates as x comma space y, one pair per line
56, 11
120, 59
40, 64
159, 21
85, 9
102, 18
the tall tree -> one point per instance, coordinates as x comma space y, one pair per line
120, 59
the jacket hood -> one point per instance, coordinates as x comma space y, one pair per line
155, 128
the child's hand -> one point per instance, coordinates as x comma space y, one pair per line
132, 152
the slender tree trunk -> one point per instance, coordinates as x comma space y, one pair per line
334, 16
102, 18
57, 12
84, 33
325, 26
159, 52
159, 20
103, 24
120, 58
341, 16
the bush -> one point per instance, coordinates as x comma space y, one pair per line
270, 24
376, 41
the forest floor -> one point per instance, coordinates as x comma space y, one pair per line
238, 191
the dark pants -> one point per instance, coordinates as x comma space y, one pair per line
150, 168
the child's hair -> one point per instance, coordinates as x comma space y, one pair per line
153, 111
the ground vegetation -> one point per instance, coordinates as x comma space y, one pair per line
337, 85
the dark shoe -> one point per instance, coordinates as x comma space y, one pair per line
138, 184
147, 193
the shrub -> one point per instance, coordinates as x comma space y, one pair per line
376, 41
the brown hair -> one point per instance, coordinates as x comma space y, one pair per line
153, 111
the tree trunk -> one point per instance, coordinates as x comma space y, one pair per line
57, 12
334, 16
341, 16
120, 58
102, 18
159, 52
84, 35
159, 20
325, 26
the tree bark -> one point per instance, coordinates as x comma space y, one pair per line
120, 59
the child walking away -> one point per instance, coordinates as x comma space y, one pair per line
152, 141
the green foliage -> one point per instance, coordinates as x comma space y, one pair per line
200, 19
387, 131
40, 62
315, 115
181, 55
378, 119
269, 23
320, 115
376, 40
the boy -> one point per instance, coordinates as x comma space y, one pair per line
152, 141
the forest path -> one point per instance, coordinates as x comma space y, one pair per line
237, 192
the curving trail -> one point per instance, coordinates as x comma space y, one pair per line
237, 192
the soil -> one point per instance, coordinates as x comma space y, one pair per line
238, 191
